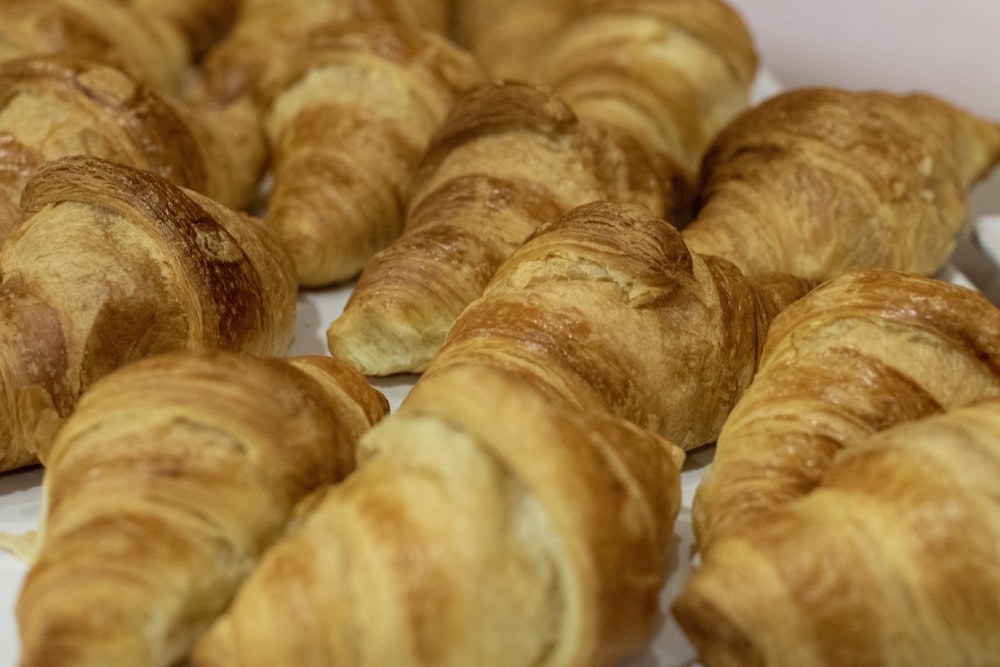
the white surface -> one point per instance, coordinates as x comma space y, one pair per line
950, 48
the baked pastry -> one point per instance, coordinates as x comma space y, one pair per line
509, 158
506, 36
855, 356
891, 560
58, 105
672, 73
203, 23
347, 131
252, 58
109, 31
606, 310
115, 264
818, 182
163, 489
485, 526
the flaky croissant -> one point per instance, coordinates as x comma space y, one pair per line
53, 106
506, 36
509, 158
203, 23
109, 31
855, 356
818, 182
254, 55
892, 560
672, 73
487, 526
605, 309
347, 131
164, 487
115, 264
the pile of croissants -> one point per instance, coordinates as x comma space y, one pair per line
571, 222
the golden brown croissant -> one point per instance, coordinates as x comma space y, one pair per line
672, 73
607, 310
851, 358
347, 132
53, 106
110, 31
508, 158
819, 182
891, 561
487, 526
506, 36
267, 33
115, 264
164, 487
202, 22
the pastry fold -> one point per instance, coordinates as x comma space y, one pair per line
202, 23
485, 526
892, 560
347, 129
817, 182
59, 105
672, 73
163, 489
267, 34
509, 158
108, 31
114, 264
606, 309
857, 355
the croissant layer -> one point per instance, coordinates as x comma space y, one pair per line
108, 31
606, 309
115, 264
855, 356
166, 485
347, 132
58, 105
485, 526
892, 560
818, 182
509, 158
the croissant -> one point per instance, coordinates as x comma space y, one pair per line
853, 357
202, 23
347, 132
818, 182
253, 57
163, 489
672, 73
506, 36
891, 560
605, 309
486, 526
110, 31
508, 158
115, 264
53, 106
